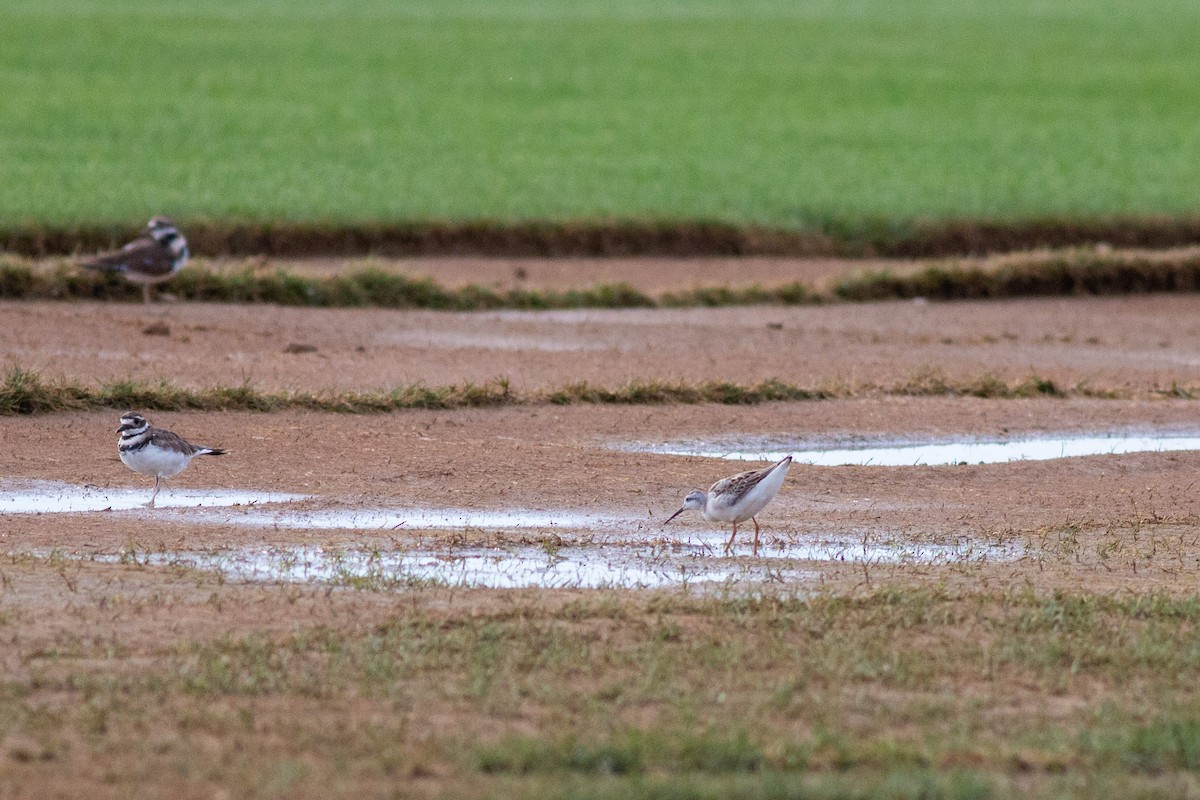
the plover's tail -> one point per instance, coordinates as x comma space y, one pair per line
114, 262
211, 451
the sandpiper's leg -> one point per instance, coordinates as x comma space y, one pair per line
729, 544
146, 293
755, 521
155, 494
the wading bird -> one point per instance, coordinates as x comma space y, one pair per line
154, 451
738, 498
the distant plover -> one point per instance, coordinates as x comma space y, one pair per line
738, 498
149, 259
154, 451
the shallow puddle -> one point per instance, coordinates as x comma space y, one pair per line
872, 547
472, 567
47, 497
904, 454
693, 560
582, 549
385, 519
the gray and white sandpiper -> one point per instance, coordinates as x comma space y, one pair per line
738, 498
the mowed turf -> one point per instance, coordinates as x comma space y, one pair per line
832, 115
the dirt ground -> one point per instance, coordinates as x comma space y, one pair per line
1138, 342
650, 275
1105, 523
551, 458
572, 458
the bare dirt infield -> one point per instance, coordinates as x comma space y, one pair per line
1138, 342
566, 458
547, 457
124, 678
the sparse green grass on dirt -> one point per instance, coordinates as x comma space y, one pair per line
854, 119
1063, 274
895, 690
1083, 272
26, 392
365, 287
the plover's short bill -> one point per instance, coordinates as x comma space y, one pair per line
738, 498
149, 259
154, 451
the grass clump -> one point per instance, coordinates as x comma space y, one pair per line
926, 784
711, 297
626, 753
25, 392
360, 289
1165, 744
1071, 274
1086, 273
932, 383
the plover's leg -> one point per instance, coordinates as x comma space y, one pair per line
146, 293
755, 521
155, 494
729, 544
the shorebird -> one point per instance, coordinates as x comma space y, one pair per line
738, 498
154, 451
148, 259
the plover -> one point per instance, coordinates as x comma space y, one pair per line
154, 451
738, 498
149, 259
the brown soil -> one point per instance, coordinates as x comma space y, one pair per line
655, 276
568, 458
551, 457
1103, 524
651, 276
1137, 342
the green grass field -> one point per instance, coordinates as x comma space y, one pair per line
797, 114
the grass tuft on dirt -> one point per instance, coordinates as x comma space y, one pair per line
1071, 273
364, 288
1080, 273
24, 392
